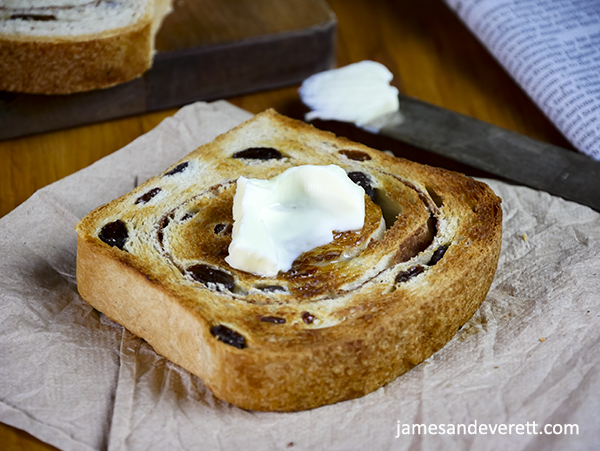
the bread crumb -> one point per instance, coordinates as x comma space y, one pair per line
524, 236
543, 339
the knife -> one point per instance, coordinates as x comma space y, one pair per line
570, 175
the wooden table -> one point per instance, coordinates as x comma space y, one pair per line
432, 55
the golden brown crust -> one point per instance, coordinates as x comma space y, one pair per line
44, 67
374, 316
70, 64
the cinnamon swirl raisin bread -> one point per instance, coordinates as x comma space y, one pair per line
347, 318
66, 46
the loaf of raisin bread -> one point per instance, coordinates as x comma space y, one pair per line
346, 319
67, 46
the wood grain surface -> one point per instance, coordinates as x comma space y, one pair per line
206, 50
432, 56
199, 22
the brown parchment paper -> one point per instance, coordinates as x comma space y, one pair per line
75, 379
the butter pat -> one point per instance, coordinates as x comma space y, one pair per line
277, 220
357, 93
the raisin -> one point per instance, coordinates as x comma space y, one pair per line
224, 229
435, 197
273, 319
307, 317
228, 336
356, 155
149, 195
259, 153
206, 274
164, 222
437, 255
36, 17
362, 180
179, 168
114, 234
410, 273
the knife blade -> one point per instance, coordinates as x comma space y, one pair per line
570, 175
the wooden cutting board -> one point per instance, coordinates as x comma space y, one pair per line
206, 49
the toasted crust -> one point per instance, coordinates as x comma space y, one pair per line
389, 303
76, 63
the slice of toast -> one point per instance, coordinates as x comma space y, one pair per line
67, 46
347, 318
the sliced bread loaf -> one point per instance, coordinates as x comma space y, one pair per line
67, 46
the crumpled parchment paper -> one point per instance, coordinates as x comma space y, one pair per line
530, 356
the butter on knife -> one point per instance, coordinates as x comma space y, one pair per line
359, 93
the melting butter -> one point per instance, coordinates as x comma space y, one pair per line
277, 220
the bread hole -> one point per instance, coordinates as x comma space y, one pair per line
431, 228
355, 155
271, 288
437, 199
470, 202
162, 225
33, 17
390, 208
228, 336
